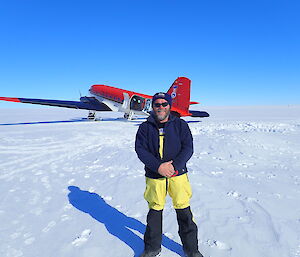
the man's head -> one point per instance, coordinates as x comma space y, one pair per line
161, 104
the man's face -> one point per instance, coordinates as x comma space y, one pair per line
162, 113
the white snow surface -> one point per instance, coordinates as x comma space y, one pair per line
74, 188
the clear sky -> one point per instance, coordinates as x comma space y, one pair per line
236, 52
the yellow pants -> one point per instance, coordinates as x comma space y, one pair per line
178, 187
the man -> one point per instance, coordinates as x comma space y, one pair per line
164, 144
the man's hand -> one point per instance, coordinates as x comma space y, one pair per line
166, 169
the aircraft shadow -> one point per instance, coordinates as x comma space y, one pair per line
135, 122
44, 122
193, 121
123, 119
138, 123
116, 223
68, 121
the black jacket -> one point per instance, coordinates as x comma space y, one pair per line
178, 145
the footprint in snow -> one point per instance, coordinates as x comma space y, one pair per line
14, 252
237, 195
82, 238
234, 194
107, 198
29, 240
15, 235
216, 173
71, 181
65, 217
49, 226
218, 244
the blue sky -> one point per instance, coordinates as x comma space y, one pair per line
239, 52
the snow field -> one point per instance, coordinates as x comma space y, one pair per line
244, 174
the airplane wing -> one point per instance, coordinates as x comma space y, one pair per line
200, 114
179, 112
86, 103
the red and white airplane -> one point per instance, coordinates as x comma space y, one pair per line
106, 98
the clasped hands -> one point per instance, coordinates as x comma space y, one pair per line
166, 169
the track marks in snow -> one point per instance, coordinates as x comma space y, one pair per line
245, 127
229, 143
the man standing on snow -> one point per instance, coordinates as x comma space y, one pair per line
164, 144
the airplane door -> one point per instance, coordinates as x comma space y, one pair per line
137, 103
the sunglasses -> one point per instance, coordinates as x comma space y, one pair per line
165, 104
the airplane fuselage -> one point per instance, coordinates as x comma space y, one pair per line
121, 100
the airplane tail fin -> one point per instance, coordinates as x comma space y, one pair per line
180, 93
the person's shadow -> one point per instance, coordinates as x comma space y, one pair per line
116, 223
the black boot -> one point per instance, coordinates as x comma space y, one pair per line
188, 231
150, 253
194, 254
153, 234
